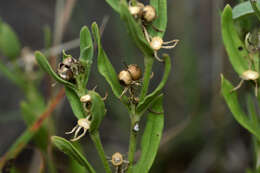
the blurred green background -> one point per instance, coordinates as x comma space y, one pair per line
200, 134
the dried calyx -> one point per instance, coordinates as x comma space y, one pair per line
86, 100
68, 68
136, 10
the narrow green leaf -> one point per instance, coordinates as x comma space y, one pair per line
234, 106
86, 45
86, 51
161, 20
9, 44
148, 100
151, 137
234, 46
114, 4
98, 110
44, 64
75, 103
105, 67
135, 30
68, 148
76, 167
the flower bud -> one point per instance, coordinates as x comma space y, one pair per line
136, 10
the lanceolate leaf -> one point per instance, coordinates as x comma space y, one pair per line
148, 100
68, 148
105, 67
161, 20
234, 46
86, 51
234, 106
75, 103
9, 43
98, 110
44, 64
151, 137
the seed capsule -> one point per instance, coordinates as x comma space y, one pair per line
117, 159
125, 77
135, 72
148, 13
136, 10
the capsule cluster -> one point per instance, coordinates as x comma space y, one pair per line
69, 68
130, 75
147, 14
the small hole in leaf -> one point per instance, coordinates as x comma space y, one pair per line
240, 48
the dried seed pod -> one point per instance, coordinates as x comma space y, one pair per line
64, 72
117, 159
136, 10
86, 98
156, 43
148, 13
135, 71
125, 77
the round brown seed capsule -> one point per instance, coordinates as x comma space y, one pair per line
148, 13
125, 77
135, 71
136, 10
117, 159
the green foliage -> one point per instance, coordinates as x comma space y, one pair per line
161, 20
105, 67
86, 51
151, 137
234, 106
149, 99
75, 103
9, 44
98, 111
68, 148
234, 46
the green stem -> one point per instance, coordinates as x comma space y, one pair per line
255, 8
148, 62
96, 139
132, 144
